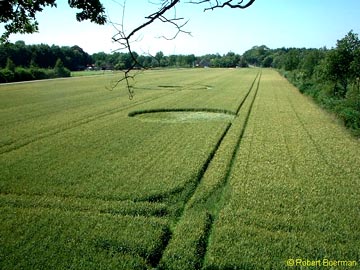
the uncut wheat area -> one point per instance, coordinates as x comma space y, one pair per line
202, 169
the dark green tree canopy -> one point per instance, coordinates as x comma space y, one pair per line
341, 63
19, 16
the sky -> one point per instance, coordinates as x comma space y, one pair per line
274, 23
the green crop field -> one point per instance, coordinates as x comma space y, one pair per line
203, 169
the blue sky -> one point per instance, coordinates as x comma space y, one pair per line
275, 23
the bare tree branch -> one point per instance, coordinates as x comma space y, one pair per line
124, 39
151, 18
161, 15
220, 4
177, 26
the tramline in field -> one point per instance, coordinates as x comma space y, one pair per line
204, 168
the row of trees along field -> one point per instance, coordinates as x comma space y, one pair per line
330, 76
123, 60
20, 62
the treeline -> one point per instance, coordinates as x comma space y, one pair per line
330, 76
75, 58
118, 61
11, 73
43, 55
21, 62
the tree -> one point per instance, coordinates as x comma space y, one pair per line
292, 59
310, 60
256, 55
42, 56
355, 68
340, 63
99, 59
10, 65
20, 16
159, 56
60, 70
243, 63
267, 61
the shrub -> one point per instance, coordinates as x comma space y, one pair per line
60, 70
22, 74
39, 73
351, 117
6, 75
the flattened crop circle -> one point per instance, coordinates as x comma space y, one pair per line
183, 115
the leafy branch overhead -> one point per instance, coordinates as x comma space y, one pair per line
19, 16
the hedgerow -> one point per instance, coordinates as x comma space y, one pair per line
28, 74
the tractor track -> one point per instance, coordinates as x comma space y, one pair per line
211, 217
